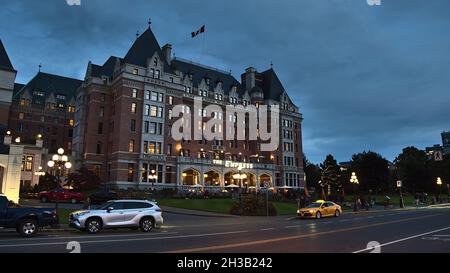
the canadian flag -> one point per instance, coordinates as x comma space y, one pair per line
201, 30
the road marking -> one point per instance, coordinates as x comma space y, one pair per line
442, 235
129, 240
281, 239
404, 239
290, 219
266, 229
55, 237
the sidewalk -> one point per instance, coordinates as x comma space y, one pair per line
199, 213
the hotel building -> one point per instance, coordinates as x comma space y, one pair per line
124, 117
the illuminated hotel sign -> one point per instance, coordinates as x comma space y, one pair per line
231, 164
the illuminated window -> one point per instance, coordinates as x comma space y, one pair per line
71, 109
134, 93
131, 146
21, 115
135, 71
130, 172
133, 108
71, 122
170, 100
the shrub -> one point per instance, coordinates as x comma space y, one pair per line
253, 206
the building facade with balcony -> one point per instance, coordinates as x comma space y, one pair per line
124, 119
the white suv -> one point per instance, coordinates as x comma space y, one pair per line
141, 214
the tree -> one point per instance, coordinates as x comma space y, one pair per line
84, 179
412, 169
372, 171
48, 182
330, 177
313, 174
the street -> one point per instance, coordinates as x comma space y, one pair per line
416, 230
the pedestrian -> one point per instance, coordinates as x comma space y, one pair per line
87, 203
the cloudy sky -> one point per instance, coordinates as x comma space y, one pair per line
364, 77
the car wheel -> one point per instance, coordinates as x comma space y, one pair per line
337, 213
146, 224
44, 199
318, 215
73, 201
27, 228
93, 226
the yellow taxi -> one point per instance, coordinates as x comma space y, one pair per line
320, 209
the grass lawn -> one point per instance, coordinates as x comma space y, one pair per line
220, 205
64, 215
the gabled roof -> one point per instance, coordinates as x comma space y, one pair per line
200, 72
5, 63
143, 49
17, 87
107, 69
49, 84
271, 85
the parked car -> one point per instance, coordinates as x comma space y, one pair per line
103, 196
62, 195
26, 221
141, 214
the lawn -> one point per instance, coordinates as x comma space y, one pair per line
64, 215
220, 205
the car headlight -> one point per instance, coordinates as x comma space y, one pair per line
81, 213
311, 211
298, 211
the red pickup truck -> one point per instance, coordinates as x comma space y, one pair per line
62, 195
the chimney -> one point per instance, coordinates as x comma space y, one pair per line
250, 74
167, 51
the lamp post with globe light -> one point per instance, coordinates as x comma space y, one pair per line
439, 183
59, 164
240, 177
355, 182
153, 177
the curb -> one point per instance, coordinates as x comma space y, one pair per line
200, 215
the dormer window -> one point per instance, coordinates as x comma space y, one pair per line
203, 93
60, 97
155, 61
207, 81
157, 74
135, 71
190, 76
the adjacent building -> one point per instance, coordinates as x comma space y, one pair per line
438, 151
124, 116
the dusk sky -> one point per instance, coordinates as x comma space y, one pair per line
365, 77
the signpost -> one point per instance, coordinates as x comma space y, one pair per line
267, 185
399, 186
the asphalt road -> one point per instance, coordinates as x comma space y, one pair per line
421, 230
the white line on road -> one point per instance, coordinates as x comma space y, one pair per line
55, 237
128, 240
442, 235
266, 229
404, 239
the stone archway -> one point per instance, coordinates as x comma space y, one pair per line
265, 178
190, 177
211, 178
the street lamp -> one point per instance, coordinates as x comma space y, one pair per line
354, 181
152, 177
240, 177
439, 183
59, 162
399, 186
39, 172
